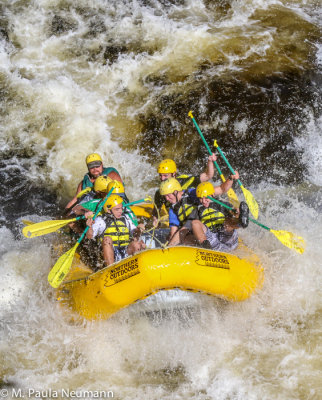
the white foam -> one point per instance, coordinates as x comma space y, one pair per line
310, 143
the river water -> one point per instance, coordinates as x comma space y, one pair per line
119, 77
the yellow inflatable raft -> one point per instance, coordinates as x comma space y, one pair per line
101, 294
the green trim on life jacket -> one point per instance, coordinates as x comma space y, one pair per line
91, 205
86, 182
131, 215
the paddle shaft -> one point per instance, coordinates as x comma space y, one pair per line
99, 209
134, 202
97, 201
227, 162
206, 144
288, 239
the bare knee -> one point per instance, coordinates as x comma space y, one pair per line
135, 246
107, 241
196, 223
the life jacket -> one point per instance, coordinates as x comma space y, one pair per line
213, 216
117, 230
91, 205
183, 208
86, 182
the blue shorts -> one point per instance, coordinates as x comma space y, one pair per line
120, 253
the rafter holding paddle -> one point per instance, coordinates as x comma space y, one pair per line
231, 194
59, 271
45, 227
288, 239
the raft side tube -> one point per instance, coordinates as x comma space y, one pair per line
103, 293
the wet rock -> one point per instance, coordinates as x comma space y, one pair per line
4, 34
255, 122
20, 196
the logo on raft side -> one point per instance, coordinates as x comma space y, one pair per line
122, 272
211, 259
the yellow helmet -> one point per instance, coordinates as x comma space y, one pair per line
93, 160
112, 201
101, 183
205, 189
169, 186
118, 187
167, 167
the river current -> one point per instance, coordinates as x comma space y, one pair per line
119, 77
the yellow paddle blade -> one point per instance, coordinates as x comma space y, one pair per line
233, 198
59, 271
27, 222
290, 240
251, 202
82, 192
148, 198
44, 227
144, 210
